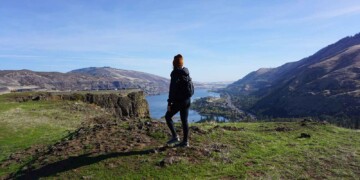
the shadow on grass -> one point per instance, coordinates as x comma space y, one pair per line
76, 162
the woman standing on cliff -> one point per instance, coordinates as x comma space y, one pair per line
181, 90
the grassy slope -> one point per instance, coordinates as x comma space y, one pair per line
253, 150
257, 151
37, 123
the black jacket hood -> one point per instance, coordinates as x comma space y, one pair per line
180, 71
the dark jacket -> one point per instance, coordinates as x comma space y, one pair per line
177, 73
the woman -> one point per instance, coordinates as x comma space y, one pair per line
178, 101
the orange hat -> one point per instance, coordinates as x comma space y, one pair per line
178, 61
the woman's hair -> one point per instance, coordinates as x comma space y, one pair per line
178, 61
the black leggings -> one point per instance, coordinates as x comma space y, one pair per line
183, 107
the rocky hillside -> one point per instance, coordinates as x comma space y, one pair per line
77, 136
93, 78
326, 83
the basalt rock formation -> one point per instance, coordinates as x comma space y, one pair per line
121, 104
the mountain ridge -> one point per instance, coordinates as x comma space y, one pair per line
85, 79
320, 55
325, 83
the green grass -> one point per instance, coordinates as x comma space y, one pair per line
258, 151
331, 152
37, 123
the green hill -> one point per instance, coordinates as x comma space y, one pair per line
72, 139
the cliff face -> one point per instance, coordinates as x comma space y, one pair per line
133, 104
120, 104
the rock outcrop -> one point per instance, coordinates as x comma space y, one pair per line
133, 104
122, 104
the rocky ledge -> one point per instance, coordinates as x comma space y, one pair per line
122, 104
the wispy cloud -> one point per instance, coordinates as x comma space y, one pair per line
326, 14
290, 14
337, 13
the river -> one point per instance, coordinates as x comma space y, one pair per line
158, 106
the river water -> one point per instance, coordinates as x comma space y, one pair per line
158, 106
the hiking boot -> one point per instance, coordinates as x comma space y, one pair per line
173, 140
183, 144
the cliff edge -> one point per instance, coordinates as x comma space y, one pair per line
122, 104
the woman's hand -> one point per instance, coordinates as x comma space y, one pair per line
169, 108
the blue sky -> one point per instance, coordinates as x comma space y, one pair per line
221, 40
